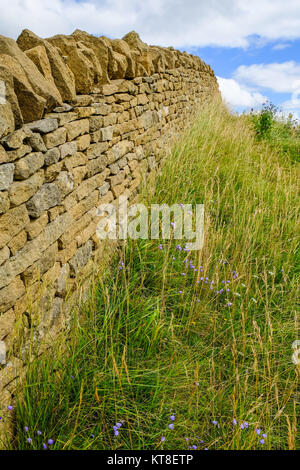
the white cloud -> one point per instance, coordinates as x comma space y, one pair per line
236, 95
166, 22
281, 78
280, 46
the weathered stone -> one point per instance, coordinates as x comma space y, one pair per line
10, 293
117, 179
75, 160
82, 100
29, 82
6, 175
109, 120
62, 118
52, 171
79, 174
7, 321
4, 254
11, 223
119, 150
62, 75
102, 108
80, 258
33, 249
17, 242
44, 126
89, 185
77, 128
55, 138
81, 60
96, 165
39, 57
85, 112
114, 168
104, 189
2, 353
61, 282
21, 191
47, 196
83, 142
52, 156
35, 227
100, 47
68, 149
28, 165
36, 142
84, 205
96, 122
95, 150
65, 108
55, 212
111, 88
3, 155
7, 120
65, 182
43, 264
15, 140
18, 153
106, 133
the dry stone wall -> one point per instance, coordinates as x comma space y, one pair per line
81, 120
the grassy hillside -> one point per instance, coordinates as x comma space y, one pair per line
208, 351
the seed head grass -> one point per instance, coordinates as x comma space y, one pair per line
162, 360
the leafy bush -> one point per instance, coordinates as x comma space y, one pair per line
282, 133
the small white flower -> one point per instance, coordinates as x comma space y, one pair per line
236, 293
255, 301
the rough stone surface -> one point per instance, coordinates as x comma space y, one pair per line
28, 165
2, 353
63, 154
49, 195
6, 175
80, 259
44, 125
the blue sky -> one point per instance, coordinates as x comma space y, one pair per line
226, 61
253, 46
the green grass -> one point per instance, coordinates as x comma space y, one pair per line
143, 351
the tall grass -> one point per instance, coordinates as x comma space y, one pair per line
145, 352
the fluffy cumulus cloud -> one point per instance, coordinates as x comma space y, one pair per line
275, 77
178, 23
238, 96
280, 78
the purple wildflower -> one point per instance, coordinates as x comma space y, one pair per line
215, 423
171, 426
50, 442
29, 440
172, 417
262, 441
163, 439
234, 421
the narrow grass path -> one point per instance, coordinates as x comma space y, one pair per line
210, 348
